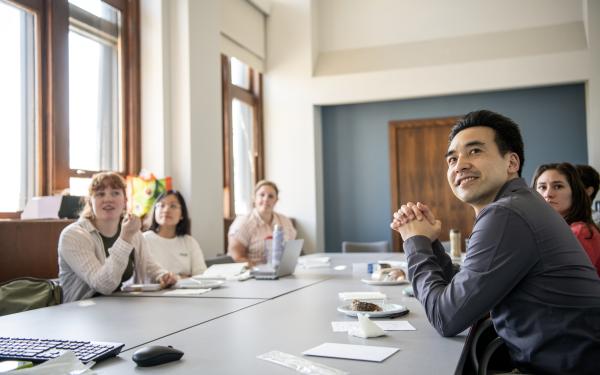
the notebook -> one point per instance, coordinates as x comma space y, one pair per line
289, 259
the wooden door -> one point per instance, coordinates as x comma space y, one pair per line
418, 173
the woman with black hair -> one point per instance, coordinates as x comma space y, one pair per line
561, 186
171, 244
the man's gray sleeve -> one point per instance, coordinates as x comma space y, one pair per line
501, 251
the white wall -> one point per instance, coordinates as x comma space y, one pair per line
181, 109
289, 118
593, 86
292, 92
352, 24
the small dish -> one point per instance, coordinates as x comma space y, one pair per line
388, 310
198, 284
379, 282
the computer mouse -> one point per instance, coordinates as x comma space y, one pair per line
156, 355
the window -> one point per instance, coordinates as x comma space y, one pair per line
71, 89
95, 129
19, 123
242, 135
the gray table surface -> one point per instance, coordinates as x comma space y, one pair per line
296, 322
132, 321
224, 335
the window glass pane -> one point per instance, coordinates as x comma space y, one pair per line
240, 74
94, 114
95, 7
17, 95
243, 156
79, 185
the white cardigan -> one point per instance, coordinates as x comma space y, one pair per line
84, 268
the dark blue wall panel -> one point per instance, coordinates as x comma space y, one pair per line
355, 148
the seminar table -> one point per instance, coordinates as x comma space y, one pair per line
294, 323
132, 321
224, 335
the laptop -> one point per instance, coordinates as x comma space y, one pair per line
289, 259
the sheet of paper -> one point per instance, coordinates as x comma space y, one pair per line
399, 325
346, 296
227, 271
348, 351
315, 262
186, 292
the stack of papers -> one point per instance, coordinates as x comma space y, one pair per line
226, 271
348, 351
363, 296
315, 262
399, 325
186, 292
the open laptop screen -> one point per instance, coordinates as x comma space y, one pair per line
289, 259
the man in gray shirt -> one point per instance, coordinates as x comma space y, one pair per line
523, 264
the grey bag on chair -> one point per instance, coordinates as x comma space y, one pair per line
28, 293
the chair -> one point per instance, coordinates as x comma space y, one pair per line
487, 351
219, 260
365, 247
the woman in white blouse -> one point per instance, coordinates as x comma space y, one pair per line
169, 236
247, 233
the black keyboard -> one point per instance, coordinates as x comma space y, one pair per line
40, 350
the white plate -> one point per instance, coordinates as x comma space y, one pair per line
198, 284
389, 282
388, 309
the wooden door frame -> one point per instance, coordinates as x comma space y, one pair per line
393, 151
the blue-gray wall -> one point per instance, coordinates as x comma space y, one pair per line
355, 148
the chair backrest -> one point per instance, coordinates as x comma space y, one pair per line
367, 247
483, 334
28, 293
484, 351
219, 260
495, 358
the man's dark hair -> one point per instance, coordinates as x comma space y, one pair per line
508, 136
589, 177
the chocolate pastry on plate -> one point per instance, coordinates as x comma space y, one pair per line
364, 306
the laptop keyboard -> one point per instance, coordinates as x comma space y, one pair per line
40, 350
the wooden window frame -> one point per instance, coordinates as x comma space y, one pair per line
253, 97
52, 28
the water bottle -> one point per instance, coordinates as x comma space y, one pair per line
277, 250
455, 245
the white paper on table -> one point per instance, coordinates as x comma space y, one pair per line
225, 271
315, 262
186, 292
349, 351
400, 325
346, 296
66, 363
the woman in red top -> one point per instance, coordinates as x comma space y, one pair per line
561, 187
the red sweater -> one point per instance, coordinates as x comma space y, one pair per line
589, 241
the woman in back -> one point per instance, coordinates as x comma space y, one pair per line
247, 233
562, 188
105, 247
169, 236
